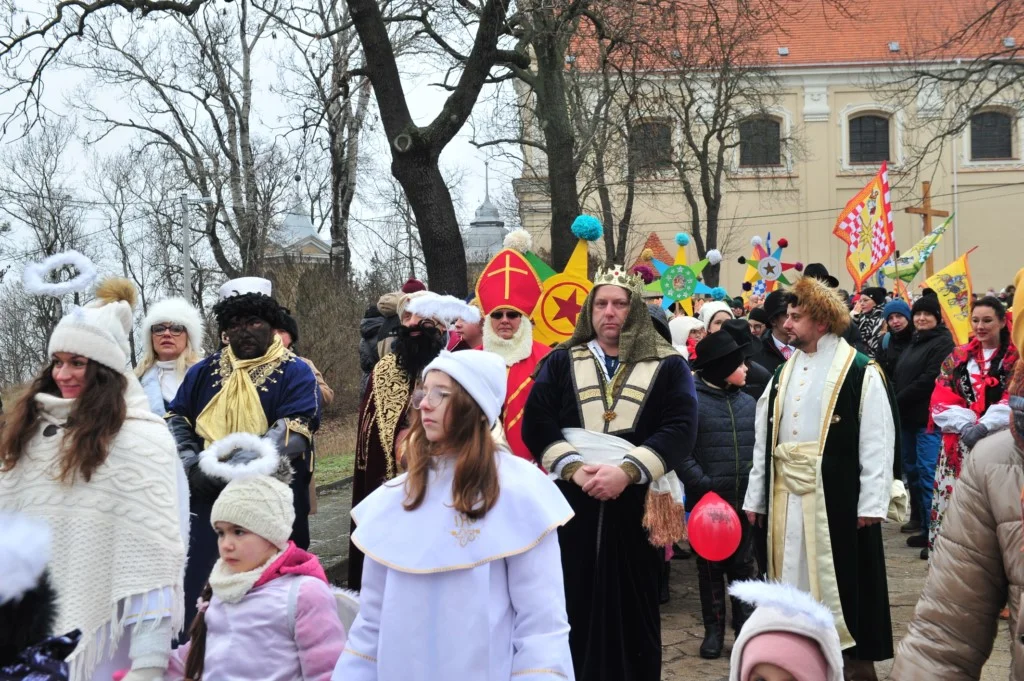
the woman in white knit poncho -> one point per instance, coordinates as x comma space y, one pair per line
82, 451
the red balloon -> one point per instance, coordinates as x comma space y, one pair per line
714, 528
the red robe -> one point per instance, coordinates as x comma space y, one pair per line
520, 382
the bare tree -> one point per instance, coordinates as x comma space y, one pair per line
188, 87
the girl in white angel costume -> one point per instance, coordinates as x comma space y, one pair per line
463, 578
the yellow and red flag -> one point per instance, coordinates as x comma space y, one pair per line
953, 286
866, 226
902, 292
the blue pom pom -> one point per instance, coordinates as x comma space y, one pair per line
682, 239
587, 227
718, 293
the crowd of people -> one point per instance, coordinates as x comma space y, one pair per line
516, 508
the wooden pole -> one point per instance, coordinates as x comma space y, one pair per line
926, 211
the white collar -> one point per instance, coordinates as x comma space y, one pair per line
599, 353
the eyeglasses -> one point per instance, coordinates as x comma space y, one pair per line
160, 329
434, 397
507, 314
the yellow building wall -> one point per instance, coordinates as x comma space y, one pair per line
803, 204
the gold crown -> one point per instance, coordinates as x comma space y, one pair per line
617, 275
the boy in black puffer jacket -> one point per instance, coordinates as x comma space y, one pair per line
721, 463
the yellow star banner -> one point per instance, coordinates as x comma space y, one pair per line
953, 286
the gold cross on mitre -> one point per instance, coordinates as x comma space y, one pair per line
507, 270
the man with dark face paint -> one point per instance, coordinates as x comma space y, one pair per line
424, 319
253, 385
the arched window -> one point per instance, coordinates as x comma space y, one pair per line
991, 136
869, 139
760, 142
650, 143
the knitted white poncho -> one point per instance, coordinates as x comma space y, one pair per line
114, 537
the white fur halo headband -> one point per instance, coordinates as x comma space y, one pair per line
34, 277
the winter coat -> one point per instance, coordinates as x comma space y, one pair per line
285, 628
369, 327
721, 460
869, 326
890, 349
767, 354
915, 374
977, 567
757, 379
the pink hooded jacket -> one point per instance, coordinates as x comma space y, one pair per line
285, 628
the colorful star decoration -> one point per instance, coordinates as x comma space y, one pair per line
765, 264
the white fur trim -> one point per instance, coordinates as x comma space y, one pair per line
446, 308
177, 311
24, 553
243, 285
784, 597
714, 256
518, 240
215, 461
34, 276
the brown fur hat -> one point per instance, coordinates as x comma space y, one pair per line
822, 304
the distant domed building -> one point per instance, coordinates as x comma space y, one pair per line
486, 233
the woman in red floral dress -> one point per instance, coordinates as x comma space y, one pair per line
970, 398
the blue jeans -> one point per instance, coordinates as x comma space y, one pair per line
920, 456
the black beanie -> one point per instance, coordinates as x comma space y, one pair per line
929, 304
289, 324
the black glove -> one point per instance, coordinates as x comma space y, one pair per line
189, 444
297, 443
971, 434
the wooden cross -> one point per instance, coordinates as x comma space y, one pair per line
507, 271
925, 210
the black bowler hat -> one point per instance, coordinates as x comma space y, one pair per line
740, 332
776, 304
715, 347
820, 272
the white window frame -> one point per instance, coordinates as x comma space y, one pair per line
1017, 141
897, 155
785, 119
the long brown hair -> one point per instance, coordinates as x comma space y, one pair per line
197, 637
97, 416
468, 441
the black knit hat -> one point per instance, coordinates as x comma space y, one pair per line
758, 314
289, 324
929, 304
718, 355
875, 293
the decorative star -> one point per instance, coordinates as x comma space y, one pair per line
568, 308
770, 269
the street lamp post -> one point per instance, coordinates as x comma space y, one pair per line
186, 258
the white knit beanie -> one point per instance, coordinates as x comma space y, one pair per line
480, 373
260, 504
710, 309
99, 330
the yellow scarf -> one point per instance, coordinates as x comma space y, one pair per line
237, 408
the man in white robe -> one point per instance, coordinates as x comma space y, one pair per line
822, 475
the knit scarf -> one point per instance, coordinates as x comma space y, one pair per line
114, 537
237, 408
230, 586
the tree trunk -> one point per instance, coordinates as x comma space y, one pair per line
559, 139
431, 203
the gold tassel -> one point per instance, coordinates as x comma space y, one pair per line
663, 519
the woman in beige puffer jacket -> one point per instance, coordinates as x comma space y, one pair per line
977, 566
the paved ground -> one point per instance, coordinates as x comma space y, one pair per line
682, 631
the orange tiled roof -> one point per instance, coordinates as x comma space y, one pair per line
813, 33
660, 253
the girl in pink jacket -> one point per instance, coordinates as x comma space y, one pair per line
267, 612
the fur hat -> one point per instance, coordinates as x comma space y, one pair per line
482, 374
99, 330
788, 629
257, 496
821, 303
177, 311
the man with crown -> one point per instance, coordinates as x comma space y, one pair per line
508, 290
613, 410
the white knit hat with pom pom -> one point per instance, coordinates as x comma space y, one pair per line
99, 330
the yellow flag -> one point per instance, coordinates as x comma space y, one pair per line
953, 286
